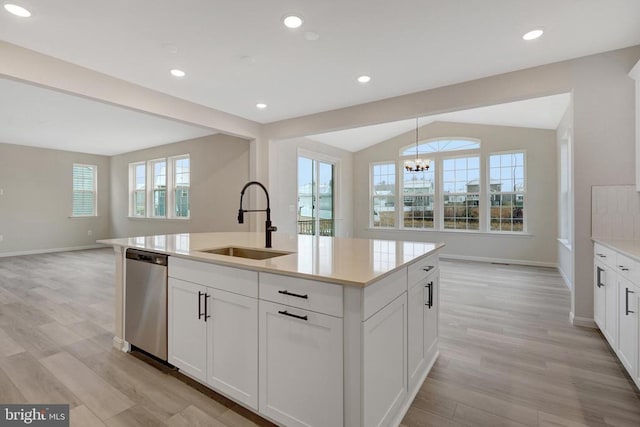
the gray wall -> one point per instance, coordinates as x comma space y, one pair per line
219, 169
537, 247
284, 183
35, 208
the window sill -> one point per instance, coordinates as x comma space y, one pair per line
492, 233
84, 217
145, 218
566, 244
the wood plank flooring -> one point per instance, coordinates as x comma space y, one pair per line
509, 356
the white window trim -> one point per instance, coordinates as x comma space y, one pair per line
487, 208
95, 190
171, 189
371, 195
149, 188
439, 153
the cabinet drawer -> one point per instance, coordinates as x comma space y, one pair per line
307, 294
628, 268
382, 292
243, 282
421, 269
604, 254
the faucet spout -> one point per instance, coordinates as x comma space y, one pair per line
269, 228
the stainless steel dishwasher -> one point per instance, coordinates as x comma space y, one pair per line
146, 302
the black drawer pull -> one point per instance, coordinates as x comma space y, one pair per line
601, 255
429, 303
206, 315
623, 268
286, 313
627, 301
200, 314
291, 294
599, 277
429, 268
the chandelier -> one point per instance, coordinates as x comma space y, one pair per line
417, 164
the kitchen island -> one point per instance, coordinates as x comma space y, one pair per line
330, 332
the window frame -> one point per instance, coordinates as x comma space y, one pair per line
94, 191
372, 195
150, 188
487, 185
459, 155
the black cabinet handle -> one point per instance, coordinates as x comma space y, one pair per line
599, 277
627, 311
623, 268
291, 294
206, 304
200, 314
429, 268
601, 255
286, 313
429, 303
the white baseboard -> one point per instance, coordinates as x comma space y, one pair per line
582, 321
121, 344
499, 260
52, 250
567, 282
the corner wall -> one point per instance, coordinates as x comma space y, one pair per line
36, 201
536, 247
219, 169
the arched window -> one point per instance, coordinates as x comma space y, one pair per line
440, 145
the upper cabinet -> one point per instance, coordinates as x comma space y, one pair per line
635, 74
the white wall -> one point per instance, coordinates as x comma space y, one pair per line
36, 200
219, 169
284, 183
537, 247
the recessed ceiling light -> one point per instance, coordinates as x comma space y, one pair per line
261, 106
292, 21
532, 35
364, 79
20, 11
177, 73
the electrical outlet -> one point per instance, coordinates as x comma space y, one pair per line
90, 232
1, 237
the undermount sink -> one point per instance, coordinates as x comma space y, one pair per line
246, 252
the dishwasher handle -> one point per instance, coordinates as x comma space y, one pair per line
149, 257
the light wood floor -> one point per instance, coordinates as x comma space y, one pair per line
508, 354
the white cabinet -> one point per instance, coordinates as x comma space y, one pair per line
599, 294
232, 353
384, 339
301, 366
616, 305
186, 329
628, 325
422, 328
213, 333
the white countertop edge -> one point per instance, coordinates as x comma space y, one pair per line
630, 248
259, 265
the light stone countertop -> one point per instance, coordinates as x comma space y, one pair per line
346, 261
630, 248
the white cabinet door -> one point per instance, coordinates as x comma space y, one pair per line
187, 330
384, 352
416, 361
432, 308
599, 294
232, 356
628, 325
611, 308
300, 366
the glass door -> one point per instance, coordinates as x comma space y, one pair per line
315, 197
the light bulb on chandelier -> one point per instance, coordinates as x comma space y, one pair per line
417, 164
